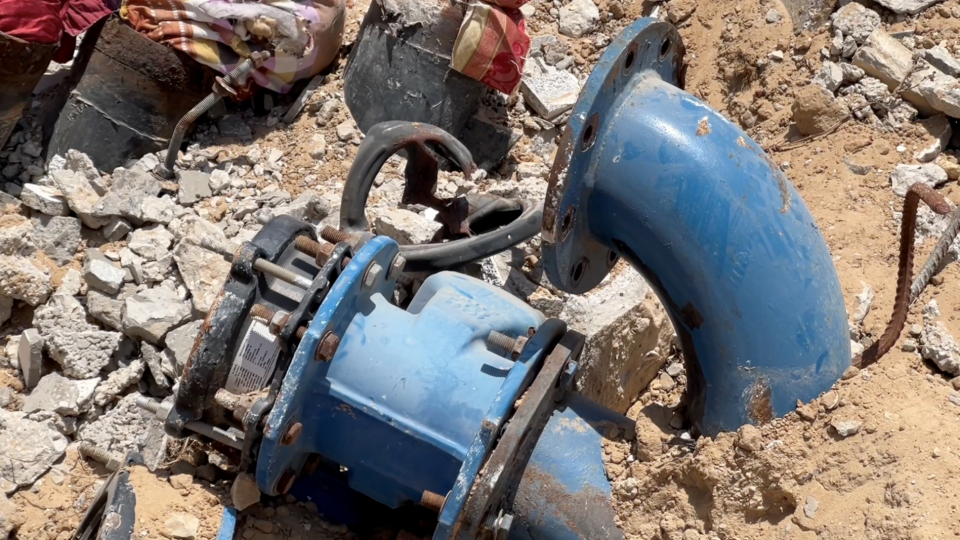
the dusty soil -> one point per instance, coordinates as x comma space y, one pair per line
794, 478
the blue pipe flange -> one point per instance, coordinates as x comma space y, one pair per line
649, 173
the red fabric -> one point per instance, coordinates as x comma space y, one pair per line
45, 21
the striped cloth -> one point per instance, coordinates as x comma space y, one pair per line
221, 34
492, 45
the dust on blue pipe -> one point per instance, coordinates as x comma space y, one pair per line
649, 173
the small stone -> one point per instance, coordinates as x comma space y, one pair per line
939, 347
207, 472
808, 412
830, 76
864, 303
939, 128
856, 21
182, 526
27, 449
125, 198
680, 10
45, 200
578, 18
815, 110
99, 272
850, 373
327, 112
83, 354
118, 381
57, 236
194, 186
855, 168
30, 356
773, 16
61, 395
80, 196
909, 345
810, 506
749, 438
885, 58
218, 180
244, 492
674, 369
950, 165
939, 58
830, 400
150, 314
158, 209
904, 176
318, 147
406, 227
846, 427
550, 92
152, 243
181, 481
776, 56
346, 130
116, 229
666, 382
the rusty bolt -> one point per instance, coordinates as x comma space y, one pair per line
372, 276
327, 347
321, 252
507, 343
286, 481
433, 501
396, 267
334, 236
292, 434
261, 311
302, 331
278, 321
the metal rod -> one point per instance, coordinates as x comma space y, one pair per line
334, 236
101, 455
501, 340
228, 250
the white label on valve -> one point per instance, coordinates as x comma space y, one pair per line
255, 360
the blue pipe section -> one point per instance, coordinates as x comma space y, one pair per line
649, 173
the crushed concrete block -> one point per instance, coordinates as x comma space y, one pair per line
150, 314
830, 76
180, 342
81, 164
856, 21
318, 147
124, 428
406, 227
16, 234
309, 206
45, 200
108, 308
579, 18
936, 91
244, 492
219, 179
904, 176
99, 272
81, 197
182, 526
152, 243
155, 360
194, 229
70, 283
194, 186
61, 312
57, 236
939, 58
815, 110
126, 195
157, 271
851, 73
158, 209
808, 14
204, 273
346, 130
83, 354
20, 279
27, 448
885, 58
118, 381
61, 395
550, 92
846, 427
939, 128
864, 303
939, 347
628, 334
116, 229
909, 7
30, 356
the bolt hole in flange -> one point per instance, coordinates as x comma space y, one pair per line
612, 258
664, 49
567, 224
578, 271
629, 60
589, 135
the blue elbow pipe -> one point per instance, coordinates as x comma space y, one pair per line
647, 172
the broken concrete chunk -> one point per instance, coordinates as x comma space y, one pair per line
864, 303
158, 209
309, 206
58, 237
125, 198
244, 492
45, 200
940, 91
83, 354
118, 381
846, 427
108, 308
939, 128
749, 438
15, 236
62, 312
579, 17
27, 448
150, 314
939, 58
155, 360
406, 227
815, 110
346, 130
100, 272
11, 518
122, 429
318, 147
218, 180
30, 356
81, 197
939, 347
182, 526
61, 395
550, 92
910, 7
81, 164
20, 279
856, 21
904, 176
180, 342
830, 76
204, 273
194, 186
152, 243
885, 58
116, 229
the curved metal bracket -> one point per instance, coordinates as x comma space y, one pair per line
386, 139
647, 172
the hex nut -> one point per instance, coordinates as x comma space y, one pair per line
373, 275
327, 347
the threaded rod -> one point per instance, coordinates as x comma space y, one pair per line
261, 311
226, 249
320, 251
100, 455
334, 236
501, 340
148, 404
432, 501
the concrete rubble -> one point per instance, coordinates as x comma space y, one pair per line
903, 176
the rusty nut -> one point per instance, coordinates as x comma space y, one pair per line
292, 433
327, 347
278, 321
